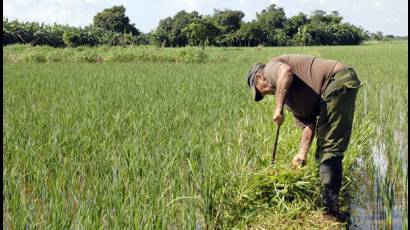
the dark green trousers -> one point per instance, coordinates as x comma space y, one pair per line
334, 128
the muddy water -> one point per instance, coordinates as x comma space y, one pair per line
378, 202
365, 218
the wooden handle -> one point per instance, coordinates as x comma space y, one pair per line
277, 135
276, 143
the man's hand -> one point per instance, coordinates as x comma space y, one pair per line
278, 117
299, 161
308, 132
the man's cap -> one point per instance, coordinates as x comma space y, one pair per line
252, 80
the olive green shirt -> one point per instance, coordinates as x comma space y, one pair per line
309, 76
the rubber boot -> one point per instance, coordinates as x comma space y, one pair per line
330, 172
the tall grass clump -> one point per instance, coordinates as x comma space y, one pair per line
135, 54
191, 55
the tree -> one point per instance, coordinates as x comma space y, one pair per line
320, 16
293, 24
251, 34
302, 37
378, 36
270, 19
74, 37
114, 19
199, 31
169, 30
329, 34
163, 32
280, 38
229, 20
389, 37
180, 20
334, 17
224, 28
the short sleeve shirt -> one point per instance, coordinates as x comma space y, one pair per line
309, 75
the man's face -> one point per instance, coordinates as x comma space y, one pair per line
263, 86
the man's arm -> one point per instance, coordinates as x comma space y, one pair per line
283, 82
308, 132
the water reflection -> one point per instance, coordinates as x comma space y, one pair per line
376, 202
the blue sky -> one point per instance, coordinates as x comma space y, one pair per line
388, 16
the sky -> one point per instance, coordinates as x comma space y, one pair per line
387, 16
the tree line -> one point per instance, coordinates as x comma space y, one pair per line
224, 27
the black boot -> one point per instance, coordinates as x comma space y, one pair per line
331, 201
331, 176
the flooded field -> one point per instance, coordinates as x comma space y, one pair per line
162, 144
380, 190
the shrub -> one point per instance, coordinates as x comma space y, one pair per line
54, 56
192, 55
34, 57
122, 57
88, 57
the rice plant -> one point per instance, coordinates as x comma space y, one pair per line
148, 138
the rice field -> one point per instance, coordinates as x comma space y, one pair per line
149, 138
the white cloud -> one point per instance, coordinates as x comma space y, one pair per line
8, 9
23, 2
356, 7
190, 5
392, 20
90, 1
304, 1
377, 4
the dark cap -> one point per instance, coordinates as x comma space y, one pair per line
251, 81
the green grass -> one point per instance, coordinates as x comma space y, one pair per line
154, 144
135, 54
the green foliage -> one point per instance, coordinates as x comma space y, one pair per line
192, 55
87, 57
180, 21
60, 36
114, 19
302, 37
35, 57
229, 20
379, 36
199, 31
55, 56
320, 16
272, 17
328, 34
169, 31
139, 57
70, 39
293, 24
224, 28
32, 33
80, 37
280, 38
84, 54
251, 34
